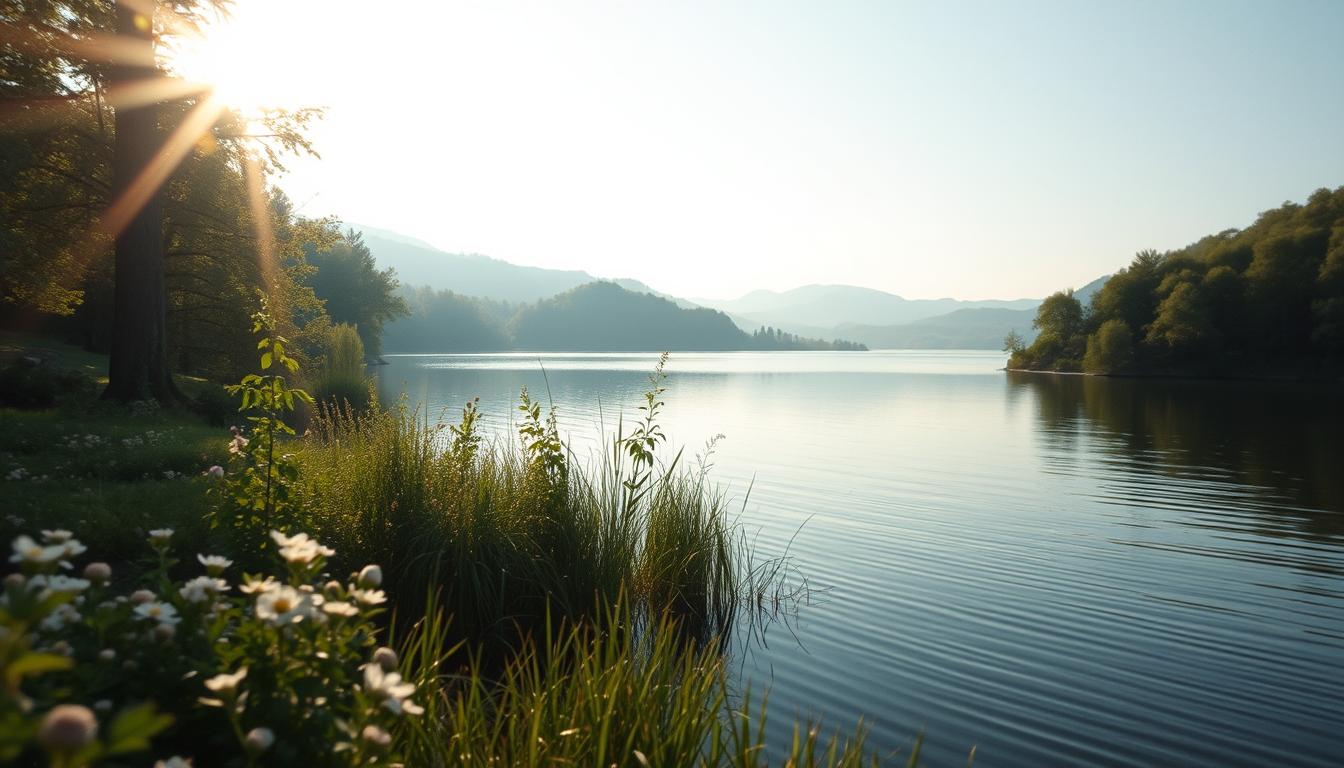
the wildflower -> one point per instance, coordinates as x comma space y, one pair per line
300, 548
142, 596
159, 536
214, 564
28, 551
386, 658
203, 588
337, 608
253, 586
14, 580
369, 596
164, 632
215, 471
98, 573
391, 690
225, 683
58, 536
60, 617
62, 647
164, 613
376, 736
284, 605
67, 728
107, 654
371, 576
58, 584
258, 740
174, 762
237, 444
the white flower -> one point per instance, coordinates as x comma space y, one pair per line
237, 444
103, 705
164, 613
336, 608
61, 616
107, 654
174, 762
67, 728
58, 536
216, 471
300, 548
203, 588
258, 740
73, 548
28, 551
57, 584
252, 586
214, 564
369, 596
370, 576
160, 536
226, 683
284, 605
376, 736
391, 690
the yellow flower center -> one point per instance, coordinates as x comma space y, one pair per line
282, 605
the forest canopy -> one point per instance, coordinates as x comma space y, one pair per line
1268, 299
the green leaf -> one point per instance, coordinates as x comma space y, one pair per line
36, 664
265, 360
134, 727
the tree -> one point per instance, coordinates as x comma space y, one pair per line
138, 359
1060, 315
1110, 349
354, 290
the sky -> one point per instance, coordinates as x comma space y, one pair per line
929, 149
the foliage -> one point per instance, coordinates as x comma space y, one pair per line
289, 667
598, 316
352, 288
342, 382
26, 383
1266, 299
1110, 349
259, 492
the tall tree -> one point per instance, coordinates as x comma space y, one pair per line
138, 359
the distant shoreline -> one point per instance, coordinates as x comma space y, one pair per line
1263, 378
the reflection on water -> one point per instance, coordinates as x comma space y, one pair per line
1059, 570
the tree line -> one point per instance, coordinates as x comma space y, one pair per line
597, 317
1268, 299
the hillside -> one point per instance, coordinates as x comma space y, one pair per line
959, 329
831, 306
1264, 300
594, 317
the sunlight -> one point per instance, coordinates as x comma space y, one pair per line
251, 60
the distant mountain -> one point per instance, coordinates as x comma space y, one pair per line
978, 328
1084, 295
831, 306
594, 317
420, 264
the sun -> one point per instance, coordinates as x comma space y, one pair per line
251, 60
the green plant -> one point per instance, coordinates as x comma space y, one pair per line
259, 489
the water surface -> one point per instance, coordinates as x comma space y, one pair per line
1055, 570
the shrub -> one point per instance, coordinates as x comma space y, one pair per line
343, 382
26, 383
1110, 349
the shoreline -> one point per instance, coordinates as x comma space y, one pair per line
1261, 378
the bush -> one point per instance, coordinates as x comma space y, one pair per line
27, 383
1110, 349
343, 382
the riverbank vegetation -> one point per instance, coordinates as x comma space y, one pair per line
504, 603
1265, 300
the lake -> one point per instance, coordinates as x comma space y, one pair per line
1056, 570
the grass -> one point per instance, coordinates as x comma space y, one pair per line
586, 616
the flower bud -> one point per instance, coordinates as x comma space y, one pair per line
98, 573
15, 580
103, 705
376, 736
67, 728
371, 576
107, 654
165, 632
142, 596
258, 740
216, 471
386, 658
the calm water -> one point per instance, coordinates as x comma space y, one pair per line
1056, 570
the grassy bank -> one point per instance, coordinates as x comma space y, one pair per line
546, 610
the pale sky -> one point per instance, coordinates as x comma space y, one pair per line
929, 149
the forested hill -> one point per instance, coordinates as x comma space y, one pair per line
595, 317
1265, 300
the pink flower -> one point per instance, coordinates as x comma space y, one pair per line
216, 471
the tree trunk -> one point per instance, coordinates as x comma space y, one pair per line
138, 366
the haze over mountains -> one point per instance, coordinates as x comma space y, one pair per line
864, 315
